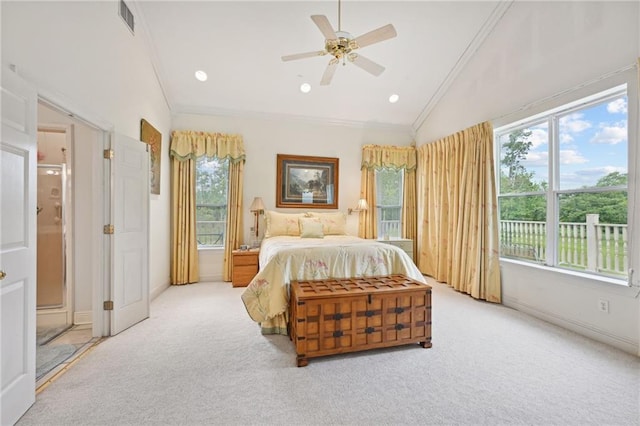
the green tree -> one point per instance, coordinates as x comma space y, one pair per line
389, 185
610, 206
389, 193
518, 180
211, 181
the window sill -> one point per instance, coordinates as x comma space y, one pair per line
204, 248
596, 279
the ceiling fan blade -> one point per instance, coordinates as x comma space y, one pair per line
323, 23
304, 55
366, 64
376, 36
329, 71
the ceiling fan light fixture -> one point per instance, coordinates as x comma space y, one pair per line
305, 87
394, 98
201, 75
341, 44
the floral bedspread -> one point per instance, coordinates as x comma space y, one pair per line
286, 259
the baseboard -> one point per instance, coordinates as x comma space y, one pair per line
82, 317
158, 290
584, 329
51, 317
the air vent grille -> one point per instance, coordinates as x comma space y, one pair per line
126, 14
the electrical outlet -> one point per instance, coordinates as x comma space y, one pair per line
603, 306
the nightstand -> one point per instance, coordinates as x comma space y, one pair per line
405, 244
245, 266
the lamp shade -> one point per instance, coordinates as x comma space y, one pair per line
257, 205
362, 205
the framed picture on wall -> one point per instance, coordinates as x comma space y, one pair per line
307, 182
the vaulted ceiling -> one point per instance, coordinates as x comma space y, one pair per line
239, 44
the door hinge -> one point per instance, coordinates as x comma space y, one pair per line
108, 154
108, 305
109, 229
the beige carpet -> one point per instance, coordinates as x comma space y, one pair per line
200, 360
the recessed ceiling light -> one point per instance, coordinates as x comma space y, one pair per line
305, 87
201, 75
394, 98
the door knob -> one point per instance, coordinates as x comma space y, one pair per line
2, 275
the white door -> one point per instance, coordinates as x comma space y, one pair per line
130, 241
18, 190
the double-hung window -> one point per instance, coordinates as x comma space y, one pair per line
389, 186
212, 183
562, 185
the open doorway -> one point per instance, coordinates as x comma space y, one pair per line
54, 298
64, 320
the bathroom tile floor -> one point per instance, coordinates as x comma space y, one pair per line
78, 337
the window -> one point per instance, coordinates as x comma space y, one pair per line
563, 186
212, 182
389, 202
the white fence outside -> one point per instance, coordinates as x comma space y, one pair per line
591, 246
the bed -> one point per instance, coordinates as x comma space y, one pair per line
326, 252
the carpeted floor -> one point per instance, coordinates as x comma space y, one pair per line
200, 360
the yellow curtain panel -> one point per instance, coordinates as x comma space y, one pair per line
459, 220
367, 226
186, 147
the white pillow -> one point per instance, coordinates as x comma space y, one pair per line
332, 223
310, 227
282, 224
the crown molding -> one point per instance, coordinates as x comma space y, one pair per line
325, 121
486, 29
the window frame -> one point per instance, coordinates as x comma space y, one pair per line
222, 244
553, 193
379, 206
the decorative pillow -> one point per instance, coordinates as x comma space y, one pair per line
310, 227
282, 224
332, 223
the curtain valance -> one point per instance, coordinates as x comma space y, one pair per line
187, 144
388, 157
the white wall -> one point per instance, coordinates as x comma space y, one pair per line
538, 50
81, 56
264, 138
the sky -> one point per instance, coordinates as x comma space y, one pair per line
593, 143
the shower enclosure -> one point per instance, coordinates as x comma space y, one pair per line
51, 293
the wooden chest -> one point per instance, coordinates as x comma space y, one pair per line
353, 314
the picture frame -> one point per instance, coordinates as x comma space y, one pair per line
307, 182
153, 137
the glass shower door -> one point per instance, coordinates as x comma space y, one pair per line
51, 247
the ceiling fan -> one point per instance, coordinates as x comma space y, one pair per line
341, 45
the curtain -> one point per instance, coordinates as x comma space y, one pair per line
459, 220
233, 233
410, 208
186, 147
368, 224
184, 248
376, 157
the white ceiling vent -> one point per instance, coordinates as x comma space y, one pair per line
126, 14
